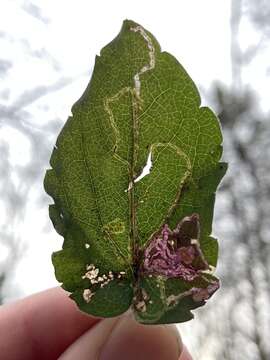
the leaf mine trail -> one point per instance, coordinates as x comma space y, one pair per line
152, 59
134, 91
136, 102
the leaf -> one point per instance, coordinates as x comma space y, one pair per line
133, 241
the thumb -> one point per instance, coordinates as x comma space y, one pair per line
124, 338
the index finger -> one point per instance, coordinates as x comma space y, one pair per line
41, 326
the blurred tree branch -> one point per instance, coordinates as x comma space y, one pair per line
18, 180
240, 329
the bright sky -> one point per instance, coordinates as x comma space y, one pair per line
195, 32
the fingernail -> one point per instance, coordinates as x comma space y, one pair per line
133, 341
185, 355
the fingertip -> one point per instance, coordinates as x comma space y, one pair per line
41, 326
125, 338
132, 340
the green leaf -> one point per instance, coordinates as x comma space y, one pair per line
133, 241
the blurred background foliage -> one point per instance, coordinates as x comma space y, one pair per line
236, 323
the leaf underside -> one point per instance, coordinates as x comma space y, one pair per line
139, 101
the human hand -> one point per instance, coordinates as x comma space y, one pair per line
49, 326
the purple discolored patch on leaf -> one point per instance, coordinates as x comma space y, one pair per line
176, 253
